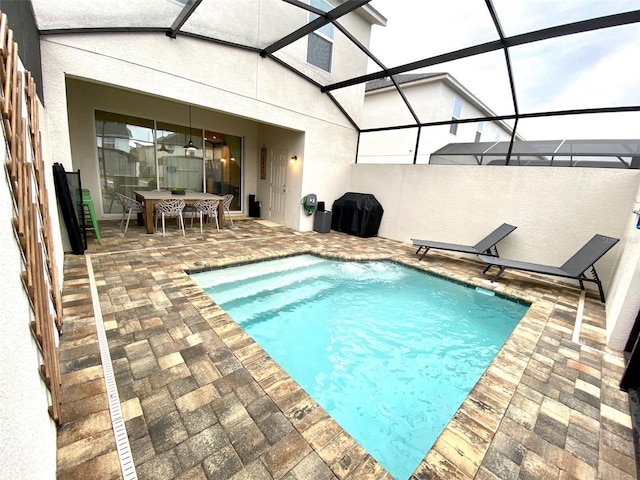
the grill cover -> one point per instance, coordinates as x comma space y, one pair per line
357, 214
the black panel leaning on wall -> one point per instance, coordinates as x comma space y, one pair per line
25, 34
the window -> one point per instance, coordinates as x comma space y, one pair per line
479, 131
457, 110
320, 42
108, 142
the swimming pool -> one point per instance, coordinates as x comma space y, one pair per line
388, 351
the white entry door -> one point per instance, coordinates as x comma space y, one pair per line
278, 186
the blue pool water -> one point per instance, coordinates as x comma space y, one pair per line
389, 352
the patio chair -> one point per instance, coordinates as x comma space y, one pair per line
487, 245
226, 204
189, 210
170, 208
129, 206
112, 196
575, 267
209, 208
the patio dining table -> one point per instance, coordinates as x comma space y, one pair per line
150, 197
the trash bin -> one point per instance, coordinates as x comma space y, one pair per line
254, 207
322, 221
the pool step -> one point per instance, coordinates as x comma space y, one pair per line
265, 283
254, 270
266, 304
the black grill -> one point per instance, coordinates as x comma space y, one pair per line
357, 214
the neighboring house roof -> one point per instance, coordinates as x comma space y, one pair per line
402, 78
419, 78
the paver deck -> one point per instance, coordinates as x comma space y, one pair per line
201, 400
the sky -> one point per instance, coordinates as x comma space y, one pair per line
591, 70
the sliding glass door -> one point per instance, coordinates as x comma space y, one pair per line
141, 154
125, 156
179, 166
223, 165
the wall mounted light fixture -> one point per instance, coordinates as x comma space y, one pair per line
293, 159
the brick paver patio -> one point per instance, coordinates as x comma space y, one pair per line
201, 400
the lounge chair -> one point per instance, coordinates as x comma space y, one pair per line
487, 245
575, 267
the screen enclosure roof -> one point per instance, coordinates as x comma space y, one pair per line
578, 153
545, 69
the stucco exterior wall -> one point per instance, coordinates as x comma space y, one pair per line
235, 93
254, 23
27, 432
328, 159
623, 302
83, 98
557, 209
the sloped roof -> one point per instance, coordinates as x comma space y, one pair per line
400, 79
